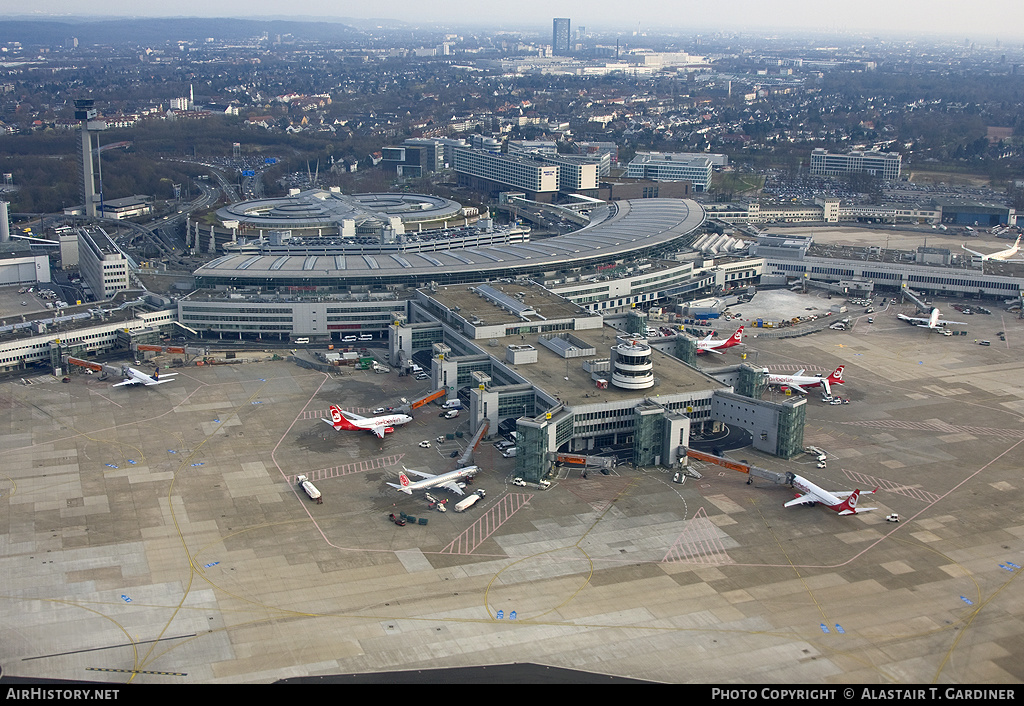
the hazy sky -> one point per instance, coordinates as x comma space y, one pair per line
1002, 19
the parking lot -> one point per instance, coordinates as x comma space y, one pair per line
159, 532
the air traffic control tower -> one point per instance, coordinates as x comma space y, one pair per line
85, 112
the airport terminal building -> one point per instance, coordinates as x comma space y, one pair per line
515, 351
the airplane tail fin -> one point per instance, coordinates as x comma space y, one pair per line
849, 506
837, 375
404, 480
736, 337
338, 420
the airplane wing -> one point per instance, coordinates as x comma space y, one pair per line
713, 350
973, 252
800, 372
352, 415
857, 510
794, 386
843, 494
452, 486
379, 430
806, 499
421, 474
130, 381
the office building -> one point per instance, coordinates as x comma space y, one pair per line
103, 266
885, 165
662, 166
491, 173
560, 37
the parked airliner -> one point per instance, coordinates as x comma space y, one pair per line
933, 322
447, 480
717, 346
799, 381
137, 377
845, 503
351, 421
1001, 255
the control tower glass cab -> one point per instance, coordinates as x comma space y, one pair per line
632, 368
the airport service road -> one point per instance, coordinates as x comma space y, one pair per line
157, 532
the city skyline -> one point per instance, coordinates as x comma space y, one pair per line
993, 20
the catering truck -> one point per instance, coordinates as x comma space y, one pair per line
469, 501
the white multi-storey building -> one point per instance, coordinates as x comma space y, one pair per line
104, 268
529, 175
886, 165
664, 166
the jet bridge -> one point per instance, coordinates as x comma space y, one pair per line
752, 471
583, 461
915, 297
467, 455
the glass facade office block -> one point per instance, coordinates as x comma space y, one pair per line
752, 383
531, 452
791, 429
648, 432
686, 350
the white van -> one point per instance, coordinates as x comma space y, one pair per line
348, 339
302, 340
366, 337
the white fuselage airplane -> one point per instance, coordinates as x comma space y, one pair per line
933, 321
709, 346
1001, 255
449, 480
137, 377
799, 381
845, 503
350, 421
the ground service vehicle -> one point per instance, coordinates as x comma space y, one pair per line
397, 520
451, 414
310, 489
468, 501
301, 340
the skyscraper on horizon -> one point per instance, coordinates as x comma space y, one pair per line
560, 37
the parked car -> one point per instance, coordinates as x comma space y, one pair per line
397, 520
424, 444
